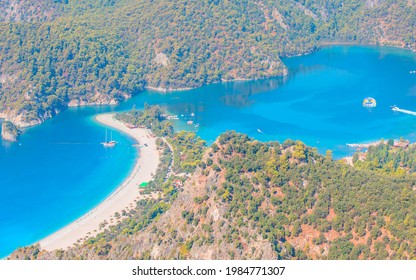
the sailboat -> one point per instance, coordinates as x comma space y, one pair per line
111, 143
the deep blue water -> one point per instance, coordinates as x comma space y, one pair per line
59, 171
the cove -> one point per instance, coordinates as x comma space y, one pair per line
319, 102
58, 171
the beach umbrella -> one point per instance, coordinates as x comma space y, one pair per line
144, 184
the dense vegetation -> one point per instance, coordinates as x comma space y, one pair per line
152, 117
254, 200
187, 146
307, 206
387, 159
188, 149
60, 52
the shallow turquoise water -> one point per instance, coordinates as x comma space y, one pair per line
59, 171
54, 174
320, 102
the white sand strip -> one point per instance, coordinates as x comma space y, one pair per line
123, 197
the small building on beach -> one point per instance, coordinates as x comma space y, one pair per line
401, 144
131, 126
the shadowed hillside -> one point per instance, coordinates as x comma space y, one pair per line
67, 53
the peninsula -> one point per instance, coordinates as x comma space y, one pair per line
123, 197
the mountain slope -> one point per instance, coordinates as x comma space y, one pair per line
60, 53
254, 200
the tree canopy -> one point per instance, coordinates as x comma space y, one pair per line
60, 52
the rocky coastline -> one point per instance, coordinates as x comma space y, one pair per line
9, 131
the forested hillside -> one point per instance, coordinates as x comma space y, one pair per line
388, 159
254, 200
59, 53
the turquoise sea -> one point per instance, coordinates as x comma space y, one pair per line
58, 171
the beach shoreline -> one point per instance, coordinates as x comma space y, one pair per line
124, 196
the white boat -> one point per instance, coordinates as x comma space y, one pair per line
397, 109
109, 144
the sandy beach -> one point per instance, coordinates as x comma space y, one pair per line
122, 198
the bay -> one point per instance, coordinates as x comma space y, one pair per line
58, 171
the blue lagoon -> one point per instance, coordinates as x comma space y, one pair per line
58, 171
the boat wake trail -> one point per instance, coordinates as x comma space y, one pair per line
397, 109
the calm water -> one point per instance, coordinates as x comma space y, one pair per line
58, 171
54, 174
